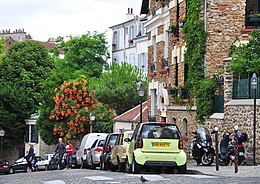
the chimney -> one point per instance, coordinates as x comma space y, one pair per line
129, 14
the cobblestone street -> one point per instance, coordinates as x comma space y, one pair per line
96, 176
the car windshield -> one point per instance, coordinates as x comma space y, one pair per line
44, 157
101, 143
160, 131
112, 140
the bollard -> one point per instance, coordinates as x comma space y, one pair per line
216, 140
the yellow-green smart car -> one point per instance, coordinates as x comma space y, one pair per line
156, 144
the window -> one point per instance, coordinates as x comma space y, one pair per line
153, 102
31, 134
174, 120
176, 70
143, 60
252, 7
154, 51
185, 127
160, 132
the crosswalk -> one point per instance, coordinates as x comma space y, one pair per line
149, 177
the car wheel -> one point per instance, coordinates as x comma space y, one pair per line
121, 166
92, 165
136, 168
182, 169
127, 166
11, 170
27, 169
113, 167
207, 159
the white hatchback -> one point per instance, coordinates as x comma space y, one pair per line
44, 162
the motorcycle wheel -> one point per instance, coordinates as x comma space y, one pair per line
207, 159
240, 160
224, 162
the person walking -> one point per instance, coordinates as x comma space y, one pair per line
30, 157
61, 150
70, 152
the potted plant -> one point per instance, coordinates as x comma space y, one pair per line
174, 29
181, 21
255, 18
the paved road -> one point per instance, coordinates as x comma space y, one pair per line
78, 176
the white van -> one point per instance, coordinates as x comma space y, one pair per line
86, 143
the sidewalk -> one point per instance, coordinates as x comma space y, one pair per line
243, 171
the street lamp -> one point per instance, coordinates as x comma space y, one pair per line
2, 133
92, 118
254, 87
141, 92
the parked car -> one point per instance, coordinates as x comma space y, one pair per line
22, 165
119, 152
156, 145
93, 157
86, 143
4, 166
54, 162
105, 159
43, 164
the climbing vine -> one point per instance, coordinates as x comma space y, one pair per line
195, 38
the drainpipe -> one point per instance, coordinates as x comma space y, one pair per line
124, 42
205, 27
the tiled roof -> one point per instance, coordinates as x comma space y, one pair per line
134, 114
47, 45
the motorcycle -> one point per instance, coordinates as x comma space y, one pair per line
201, 147
227, 148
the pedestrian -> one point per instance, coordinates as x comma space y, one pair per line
60, 149
30, 157
70, 152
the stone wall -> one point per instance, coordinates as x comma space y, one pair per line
224, 23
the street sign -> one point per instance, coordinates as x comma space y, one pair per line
254, 81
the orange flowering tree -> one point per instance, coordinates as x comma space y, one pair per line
74, 102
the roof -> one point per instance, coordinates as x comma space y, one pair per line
47, 45
134, 114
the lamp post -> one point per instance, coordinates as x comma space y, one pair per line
141, 92
216, 139
2, 133
92, 118
254, 87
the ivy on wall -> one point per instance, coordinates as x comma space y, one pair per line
195, 37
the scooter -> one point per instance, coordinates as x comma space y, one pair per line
227, 148
201, 147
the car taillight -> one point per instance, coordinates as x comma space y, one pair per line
108, 149
180, 144
85, 151
139, 142
239, 145
124, 149
98, 149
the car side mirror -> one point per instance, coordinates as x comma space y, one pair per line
127, 139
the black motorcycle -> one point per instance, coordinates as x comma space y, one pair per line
201, 147
227, 148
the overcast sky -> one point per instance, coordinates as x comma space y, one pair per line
43, 19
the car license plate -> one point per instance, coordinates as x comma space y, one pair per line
240, 153
161, 144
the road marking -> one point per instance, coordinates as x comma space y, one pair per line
96, 178
149, 177
201, 176
54, 182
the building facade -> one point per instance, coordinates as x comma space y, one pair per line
129, 42
225, 23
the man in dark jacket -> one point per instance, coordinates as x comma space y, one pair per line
61, 150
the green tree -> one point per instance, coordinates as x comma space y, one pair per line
15, 107
87, 52
246, 57
27, 64
117, 86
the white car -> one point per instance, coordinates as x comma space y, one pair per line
44, 162
86, 143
